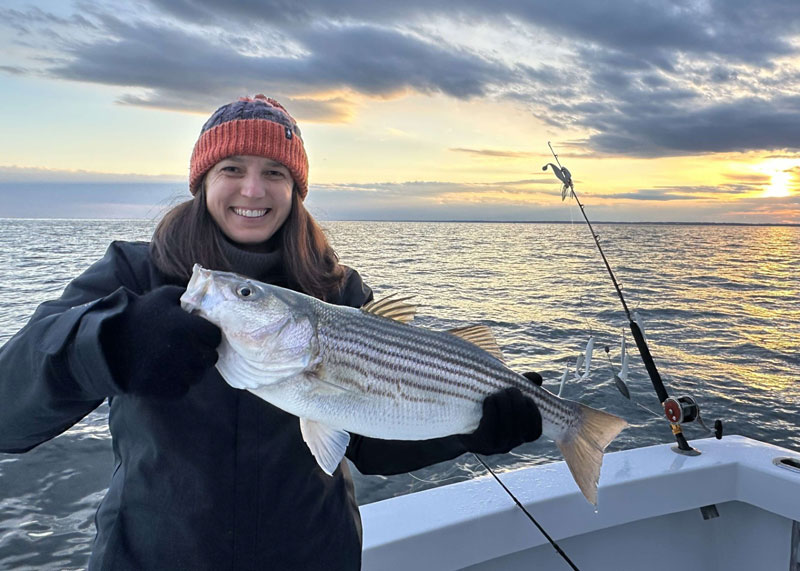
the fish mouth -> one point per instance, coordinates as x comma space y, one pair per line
196, 289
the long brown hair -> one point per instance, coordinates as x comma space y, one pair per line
188, 234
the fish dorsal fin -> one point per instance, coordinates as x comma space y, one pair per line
327, 444
392, 307
481, 336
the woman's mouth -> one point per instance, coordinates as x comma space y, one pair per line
250, 213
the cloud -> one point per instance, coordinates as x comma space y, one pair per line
88, 200
660, 194
495, 153
16, 174
177, 67
13, 70
647, 27
730, 126
644, 78
441, 190
752, 178
698, 192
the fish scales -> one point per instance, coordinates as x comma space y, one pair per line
403, 361
341, 370
397, 343
447, 364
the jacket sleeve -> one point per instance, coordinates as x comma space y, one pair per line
388, 457
52, 372
354, 292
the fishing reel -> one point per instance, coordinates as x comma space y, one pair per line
684, 409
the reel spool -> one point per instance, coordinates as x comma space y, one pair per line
683, 409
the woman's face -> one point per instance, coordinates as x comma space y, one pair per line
249, 197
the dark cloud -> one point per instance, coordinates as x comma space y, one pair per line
379, 61
645, 77
660, 194
13, 70
699, 192
35, 16
88, 200
184, 69
651, 29
794, 155
738, 125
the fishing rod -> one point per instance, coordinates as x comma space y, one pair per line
546, 535
536, 379
678, 410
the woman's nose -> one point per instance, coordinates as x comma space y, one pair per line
252, 186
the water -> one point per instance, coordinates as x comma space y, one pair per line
720, 306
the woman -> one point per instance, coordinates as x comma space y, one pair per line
207, 476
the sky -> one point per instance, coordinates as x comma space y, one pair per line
683, 111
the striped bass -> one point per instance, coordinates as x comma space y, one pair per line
367, 371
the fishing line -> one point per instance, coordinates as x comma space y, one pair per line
677, 410
438, 481
527, 513
630, 398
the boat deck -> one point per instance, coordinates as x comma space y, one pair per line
648, 515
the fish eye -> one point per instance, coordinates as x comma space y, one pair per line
244, 291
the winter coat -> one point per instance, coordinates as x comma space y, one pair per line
217, 479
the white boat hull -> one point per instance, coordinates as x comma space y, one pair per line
648, 516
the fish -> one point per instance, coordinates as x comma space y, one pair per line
369, 371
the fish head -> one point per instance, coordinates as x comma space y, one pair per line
269, 333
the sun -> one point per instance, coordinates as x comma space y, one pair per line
779, 185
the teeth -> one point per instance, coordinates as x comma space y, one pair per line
250, 213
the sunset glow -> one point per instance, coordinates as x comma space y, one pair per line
425, 111
779, 185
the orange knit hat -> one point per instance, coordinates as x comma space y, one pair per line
257, 126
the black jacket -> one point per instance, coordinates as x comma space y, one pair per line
218, 479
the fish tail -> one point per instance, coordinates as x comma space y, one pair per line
583, 447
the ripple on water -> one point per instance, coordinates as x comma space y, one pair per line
719, 306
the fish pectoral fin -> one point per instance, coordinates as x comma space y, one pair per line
480, 336
392, 307
327, 444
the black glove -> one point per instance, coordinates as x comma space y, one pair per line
155, 348
509, 419
534, 377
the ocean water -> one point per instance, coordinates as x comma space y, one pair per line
720, 304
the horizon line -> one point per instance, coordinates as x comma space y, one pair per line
449, 221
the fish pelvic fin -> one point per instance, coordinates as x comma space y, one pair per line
327, 444
583, 448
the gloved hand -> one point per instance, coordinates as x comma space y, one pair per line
534, 377
155, 348
509, 419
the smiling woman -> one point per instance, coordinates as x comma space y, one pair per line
208, 476
249, 197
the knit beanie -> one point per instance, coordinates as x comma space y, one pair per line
257, 126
